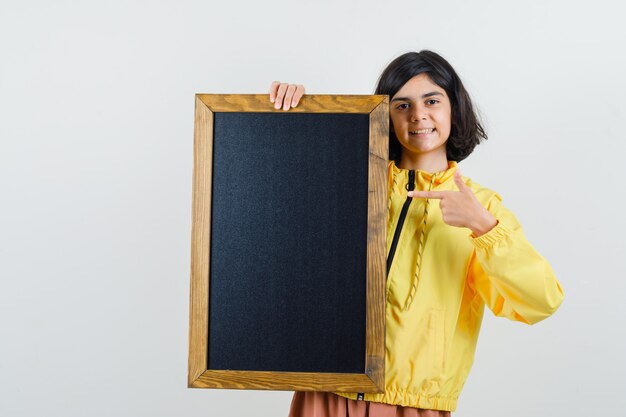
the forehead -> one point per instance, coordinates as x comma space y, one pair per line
419, 85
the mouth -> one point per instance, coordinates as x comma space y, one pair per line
422, 132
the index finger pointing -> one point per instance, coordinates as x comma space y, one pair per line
427, 194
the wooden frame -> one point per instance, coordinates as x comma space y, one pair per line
373, 378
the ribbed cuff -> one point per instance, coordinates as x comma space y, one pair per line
497, 233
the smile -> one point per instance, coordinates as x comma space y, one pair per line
421, 131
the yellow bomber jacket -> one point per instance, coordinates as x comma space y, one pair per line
439, 280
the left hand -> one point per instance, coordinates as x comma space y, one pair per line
461, 208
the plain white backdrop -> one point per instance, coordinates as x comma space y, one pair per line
96, 155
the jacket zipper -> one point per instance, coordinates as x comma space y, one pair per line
405, 208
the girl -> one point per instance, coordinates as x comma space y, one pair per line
452, 247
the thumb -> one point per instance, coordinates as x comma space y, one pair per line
458, 180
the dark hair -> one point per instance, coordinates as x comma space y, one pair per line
465, 131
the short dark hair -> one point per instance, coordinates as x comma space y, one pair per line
466, 130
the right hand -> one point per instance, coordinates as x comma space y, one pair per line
285, 95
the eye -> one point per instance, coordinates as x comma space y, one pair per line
402, 106
432, 101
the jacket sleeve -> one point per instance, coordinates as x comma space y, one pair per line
511, 277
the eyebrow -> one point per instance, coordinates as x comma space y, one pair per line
432, 93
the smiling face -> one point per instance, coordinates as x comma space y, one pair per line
421, 116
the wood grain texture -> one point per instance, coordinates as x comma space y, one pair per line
376, 243
373, 378
288, 381
200, 240
310, 103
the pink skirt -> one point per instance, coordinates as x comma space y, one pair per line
327, 404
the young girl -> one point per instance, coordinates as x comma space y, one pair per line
452, 247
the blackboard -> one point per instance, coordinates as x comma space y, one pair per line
285, 204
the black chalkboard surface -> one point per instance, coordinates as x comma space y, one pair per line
285, 204
288, 234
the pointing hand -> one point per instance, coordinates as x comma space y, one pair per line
461, 208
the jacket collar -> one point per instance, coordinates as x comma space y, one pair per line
440, 176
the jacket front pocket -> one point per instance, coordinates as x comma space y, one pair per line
436, 341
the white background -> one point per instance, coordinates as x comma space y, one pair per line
96, 152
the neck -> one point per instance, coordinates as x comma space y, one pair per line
426, 163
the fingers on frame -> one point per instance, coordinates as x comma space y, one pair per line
288, 96
273, 90
291, 93
297, 95
282, 88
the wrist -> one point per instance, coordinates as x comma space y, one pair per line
484, 224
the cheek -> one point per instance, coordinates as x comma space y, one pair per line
445, 122
394, 123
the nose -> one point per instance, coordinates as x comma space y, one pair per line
418, 113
